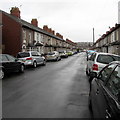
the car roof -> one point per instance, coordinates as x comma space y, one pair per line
105, 53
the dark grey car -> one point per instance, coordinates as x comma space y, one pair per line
104, 99
9, 64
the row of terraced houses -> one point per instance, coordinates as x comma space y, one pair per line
19, 35
109, 42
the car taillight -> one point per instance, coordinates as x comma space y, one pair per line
28, 58
95, 67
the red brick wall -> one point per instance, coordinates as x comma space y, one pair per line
11, 35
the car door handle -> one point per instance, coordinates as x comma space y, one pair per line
97, 92
108, 115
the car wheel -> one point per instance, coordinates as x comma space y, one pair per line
89, 103
34, 64
2, 74
90, 79
60, 58
44, 62
22, 68
86, 72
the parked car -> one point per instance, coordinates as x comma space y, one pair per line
54, 55
63, 54
104, 97
31, 58
75, 52
9, 64
69, 53
89, 53
99, 60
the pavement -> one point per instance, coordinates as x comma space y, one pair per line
57, 90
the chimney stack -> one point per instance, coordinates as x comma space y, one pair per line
53, 32
57, 34
45, 27
34, 22
15, 12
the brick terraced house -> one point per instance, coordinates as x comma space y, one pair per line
109, 42
19, 35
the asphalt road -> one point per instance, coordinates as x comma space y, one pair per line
57, 90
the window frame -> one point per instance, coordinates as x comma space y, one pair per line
105, 81
9, 58
108, 88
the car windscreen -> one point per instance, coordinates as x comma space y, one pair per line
22, 55
105, 59
3, 58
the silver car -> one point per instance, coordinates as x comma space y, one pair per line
31, 58
54, 55
98, 60
63, 54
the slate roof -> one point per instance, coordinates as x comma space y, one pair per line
30, 26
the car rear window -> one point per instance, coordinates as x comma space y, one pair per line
105, 59
22, 55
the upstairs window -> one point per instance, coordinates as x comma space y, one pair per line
30, 40
24, 34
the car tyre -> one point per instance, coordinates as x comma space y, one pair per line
2, 73
90, 79
22, 68
44, 62
34, 64
57, 59
86, 72
90, 103
60, 58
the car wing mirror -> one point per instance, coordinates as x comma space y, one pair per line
93, 75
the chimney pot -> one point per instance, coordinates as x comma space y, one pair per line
53, 32
15, 12
34, 22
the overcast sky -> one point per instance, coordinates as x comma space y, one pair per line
74, 19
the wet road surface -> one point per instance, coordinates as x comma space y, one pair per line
57, 90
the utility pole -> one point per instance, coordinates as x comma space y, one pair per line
93, 36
